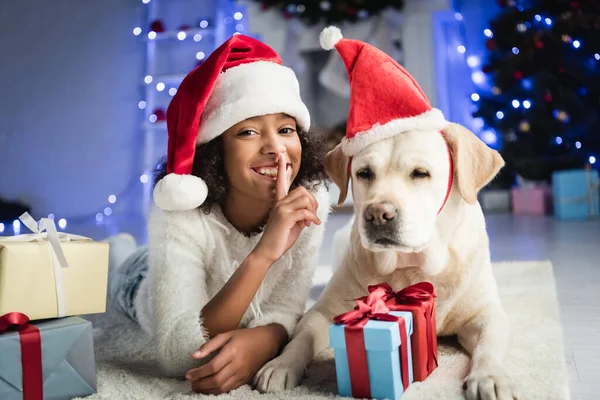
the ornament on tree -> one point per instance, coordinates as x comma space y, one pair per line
157, 26
521, 27
184, 27
562, 116
496, 90
524, 126
490, 44
566, 38
539, 44
518, 75
548, 96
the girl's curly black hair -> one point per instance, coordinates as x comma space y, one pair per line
210, 167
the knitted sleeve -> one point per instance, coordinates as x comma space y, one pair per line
285, 305
180, 246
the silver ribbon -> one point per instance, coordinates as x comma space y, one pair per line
45, 231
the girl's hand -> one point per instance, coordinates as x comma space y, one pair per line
242, 353
290, 215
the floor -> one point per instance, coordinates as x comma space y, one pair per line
572, 247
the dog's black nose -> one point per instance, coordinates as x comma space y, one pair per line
379, 214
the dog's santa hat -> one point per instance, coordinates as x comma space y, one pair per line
385, 100
241, 79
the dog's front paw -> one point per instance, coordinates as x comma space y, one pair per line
489, 383
278, 374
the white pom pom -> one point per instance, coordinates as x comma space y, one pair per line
180, 192
329, 37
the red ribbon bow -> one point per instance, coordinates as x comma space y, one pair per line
371, 307
31, 353
417, 294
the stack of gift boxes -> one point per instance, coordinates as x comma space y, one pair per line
387, 342
572, 195
47, 279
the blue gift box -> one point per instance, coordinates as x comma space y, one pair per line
382, 342
68, 365
576, 194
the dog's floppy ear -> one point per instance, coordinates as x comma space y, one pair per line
475, 164
336, 166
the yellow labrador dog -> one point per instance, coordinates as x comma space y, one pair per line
400, 236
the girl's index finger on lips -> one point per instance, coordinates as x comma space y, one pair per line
281, 187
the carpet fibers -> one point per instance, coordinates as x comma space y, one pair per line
126, 368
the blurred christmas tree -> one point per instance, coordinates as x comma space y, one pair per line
544, 71
330, 11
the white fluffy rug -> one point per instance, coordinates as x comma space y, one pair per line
126, 369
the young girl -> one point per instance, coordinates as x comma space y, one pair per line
237, 222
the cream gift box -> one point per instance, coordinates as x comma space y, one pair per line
48, 274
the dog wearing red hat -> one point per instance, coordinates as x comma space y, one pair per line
415, 179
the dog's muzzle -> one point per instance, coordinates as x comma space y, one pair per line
381, 224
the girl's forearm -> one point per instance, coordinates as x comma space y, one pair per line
225, 310
276, 337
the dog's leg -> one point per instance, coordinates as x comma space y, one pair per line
485, 337
311, 335
287, 370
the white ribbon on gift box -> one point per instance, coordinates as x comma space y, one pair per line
45, 231
593, 186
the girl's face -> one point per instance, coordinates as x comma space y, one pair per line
250, 152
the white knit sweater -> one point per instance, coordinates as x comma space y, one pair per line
192, 255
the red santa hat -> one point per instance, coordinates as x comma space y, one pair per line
243, 78
385, 100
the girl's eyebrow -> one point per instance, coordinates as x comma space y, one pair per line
284, 116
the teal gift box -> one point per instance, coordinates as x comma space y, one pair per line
49, 359
383, 365
576, 194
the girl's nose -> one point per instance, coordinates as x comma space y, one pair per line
273, 144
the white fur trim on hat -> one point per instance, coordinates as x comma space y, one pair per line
180, 192
429, 120
250, 90
329, 37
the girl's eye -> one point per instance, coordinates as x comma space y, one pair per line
287, 131
247, 133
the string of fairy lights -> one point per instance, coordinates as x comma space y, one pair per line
196, 34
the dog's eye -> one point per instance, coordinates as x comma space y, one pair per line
366, 174
419, 174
